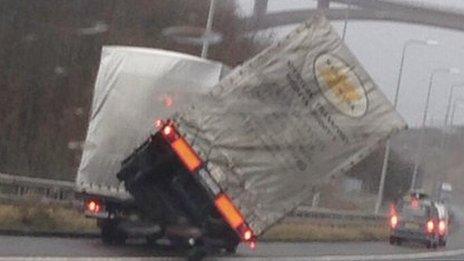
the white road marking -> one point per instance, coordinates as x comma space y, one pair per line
435, 254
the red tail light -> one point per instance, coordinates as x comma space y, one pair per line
186, 154
392, 209
430, 226
93, 206
235, 219
167, 131
230, 213
252, 244
393, 221
442, 227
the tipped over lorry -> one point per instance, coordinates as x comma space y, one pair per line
239, 153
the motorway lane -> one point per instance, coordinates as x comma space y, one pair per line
71, 247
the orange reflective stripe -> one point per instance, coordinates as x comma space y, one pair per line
229, 211
186, 154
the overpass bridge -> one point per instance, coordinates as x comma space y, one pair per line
405, 11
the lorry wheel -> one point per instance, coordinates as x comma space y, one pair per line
110, 235
231, 249
197, 253
106, 235
152, 239
119, 238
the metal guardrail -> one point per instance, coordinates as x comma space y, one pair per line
337, 215
16, 188
35, 182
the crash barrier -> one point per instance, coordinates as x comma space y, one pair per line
307, 212
17, 188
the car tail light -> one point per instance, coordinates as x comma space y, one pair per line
235, 219
93, 206
392, 210
442, 227
394, 221
430, 226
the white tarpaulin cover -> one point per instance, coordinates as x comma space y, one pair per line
299, 112
134, 87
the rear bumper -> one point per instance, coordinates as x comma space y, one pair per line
413, 235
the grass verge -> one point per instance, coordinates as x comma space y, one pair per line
318, 230
37, 217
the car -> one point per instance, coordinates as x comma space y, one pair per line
417, 220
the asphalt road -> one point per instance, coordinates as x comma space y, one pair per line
13, 246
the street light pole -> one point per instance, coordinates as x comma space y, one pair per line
455, 103
209, 25
450, 98
443, 136
424, 119
383, 174
345, 25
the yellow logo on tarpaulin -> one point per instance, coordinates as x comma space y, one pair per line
340, 85
337, 80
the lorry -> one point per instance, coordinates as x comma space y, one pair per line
246, 153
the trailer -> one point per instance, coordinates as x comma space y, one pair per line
250, 151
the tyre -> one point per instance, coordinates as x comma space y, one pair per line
110, 235
119, 238
399, 241
197, 253
152, 239
392, 240
428, 244
231, 249
442, 242
106, 235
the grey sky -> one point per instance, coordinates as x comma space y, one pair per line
378, 46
